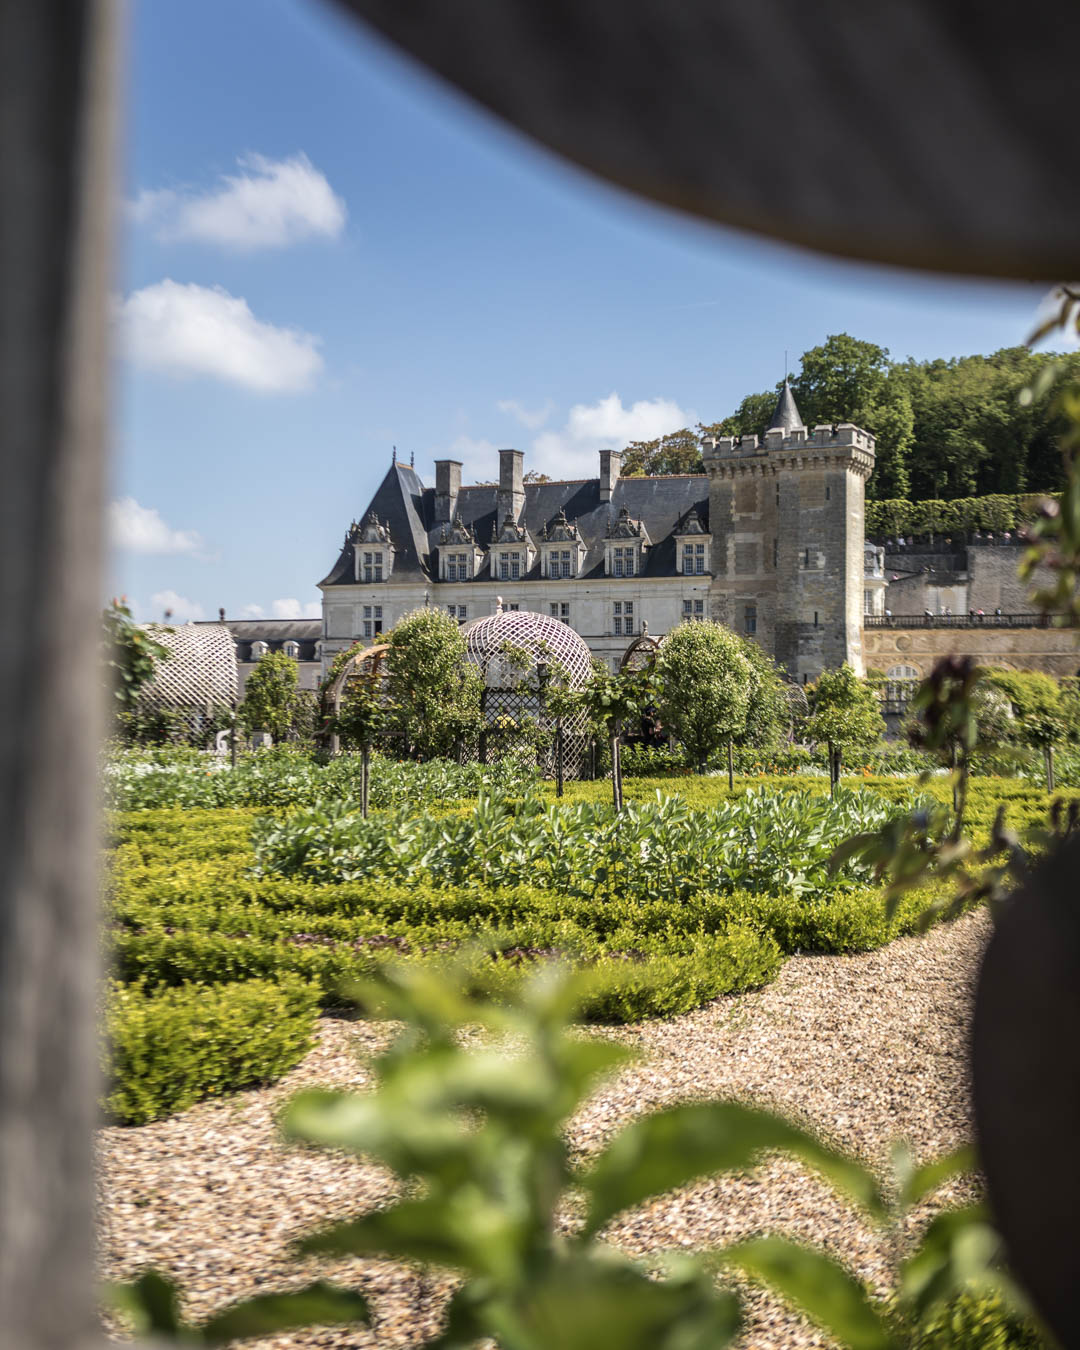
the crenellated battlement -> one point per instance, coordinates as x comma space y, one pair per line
846, 435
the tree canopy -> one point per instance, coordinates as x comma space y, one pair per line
433, 693
944, 428
270, 696
705, 679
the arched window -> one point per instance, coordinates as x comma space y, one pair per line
258, 649
292, 649
903, 673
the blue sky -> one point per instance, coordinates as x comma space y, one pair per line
327, 253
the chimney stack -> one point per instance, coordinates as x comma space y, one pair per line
610, 464
511, 500
447, 487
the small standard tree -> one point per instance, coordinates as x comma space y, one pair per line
845, 715
270, 696
612, 701
433, 692
768, 713
705, 679
1041, 717
358, 722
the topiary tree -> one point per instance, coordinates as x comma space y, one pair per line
270, 696
358, 722
705, 679
1041, 719
845, 715
433, 692
611, 701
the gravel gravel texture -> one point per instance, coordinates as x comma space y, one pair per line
866, 1049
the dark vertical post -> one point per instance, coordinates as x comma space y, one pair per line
559, 769
56, 145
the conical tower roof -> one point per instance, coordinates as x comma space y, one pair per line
786, 416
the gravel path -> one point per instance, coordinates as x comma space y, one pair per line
867, 1049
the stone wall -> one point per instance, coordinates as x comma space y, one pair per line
1053, 650
994, 583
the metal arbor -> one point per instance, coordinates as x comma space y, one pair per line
368, 664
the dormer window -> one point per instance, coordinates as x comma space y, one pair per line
692, 546
512, 553
624, 561
373, 549
291, 649
459, 558
258, 649
624, 547
562, 549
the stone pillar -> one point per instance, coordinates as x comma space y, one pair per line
511, 501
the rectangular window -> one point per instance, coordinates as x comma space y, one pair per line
828, 492
513, 607
806, 557
504, 567
868, 602
618, 569
699, 609
776, 552
616, 622
367, 628
750, 619
451, 571
378, 567
687, 609
515, 566
815, 618
367, 611
559, 609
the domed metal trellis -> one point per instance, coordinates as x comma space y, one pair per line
197, 680
527, 660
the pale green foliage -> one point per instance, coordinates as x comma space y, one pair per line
845, 712
131, 654
433, 693
270, 696
705, 680
1039, 712
768, 715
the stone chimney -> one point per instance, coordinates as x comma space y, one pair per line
511, 484
447, 487
610, 464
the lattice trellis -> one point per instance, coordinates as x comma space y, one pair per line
199, 677
538, 637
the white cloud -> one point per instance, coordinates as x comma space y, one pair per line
197, 330
271, 204
182, 608
140, 529
533, 419
252, 612
293, 609
591, 427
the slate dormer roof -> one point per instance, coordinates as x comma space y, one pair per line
561, 531
786, 417
457, 533
690, 524
407, 507
624, 527
372, 531
510, 533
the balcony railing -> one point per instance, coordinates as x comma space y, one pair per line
1029, 620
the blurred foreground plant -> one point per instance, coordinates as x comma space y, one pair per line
475, 1127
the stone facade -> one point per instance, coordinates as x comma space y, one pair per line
909, 653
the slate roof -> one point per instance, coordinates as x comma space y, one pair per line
408, 508
275, 633
786, 415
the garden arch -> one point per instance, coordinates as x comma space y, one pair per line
368, 664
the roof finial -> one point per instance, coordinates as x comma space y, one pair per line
412, 459
393, 457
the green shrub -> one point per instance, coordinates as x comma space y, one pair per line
978, 1322
170, 1048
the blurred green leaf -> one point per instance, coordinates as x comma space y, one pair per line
915, 1183
671, 1148
318, 1304
819, 1287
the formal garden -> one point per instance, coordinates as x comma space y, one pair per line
441, 869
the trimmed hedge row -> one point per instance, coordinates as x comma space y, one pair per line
170, 1048
998, 511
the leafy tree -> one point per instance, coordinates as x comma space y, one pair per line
358, 722
841, 381
845, 715
131, 654
433, 692
612, 701
677, 452
768, 713
705, 679
270, 696
750, 418
1040, 717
